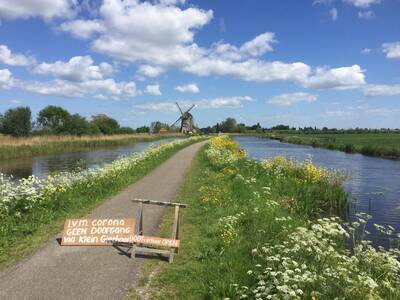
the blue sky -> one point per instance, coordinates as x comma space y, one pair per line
332, 63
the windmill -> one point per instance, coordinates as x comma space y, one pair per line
186, 119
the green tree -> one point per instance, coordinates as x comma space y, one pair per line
17, 121
106, 124
53, 118
143, 129
78, 125
157, 125
229, 125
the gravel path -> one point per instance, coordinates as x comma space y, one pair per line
55, 272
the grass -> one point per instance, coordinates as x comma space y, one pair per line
386, 145
253, 230
12, 147
33, 211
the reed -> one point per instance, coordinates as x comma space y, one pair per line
12, 147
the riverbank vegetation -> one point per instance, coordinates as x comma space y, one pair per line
382, 144
268, 230
32, 210
12, 147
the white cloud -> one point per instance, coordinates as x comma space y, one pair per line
382, 90
78, 68
291, 98
153, 89
214, 103
46, 9
136, 31
360, 111
9, 58
366, 51
105, 88
149, 71
392, 50
6, 79
368, 15
188, 88
83, 29
333, 13
338, 78
362, 3
172, 2
15, 101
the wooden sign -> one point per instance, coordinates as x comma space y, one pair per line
98, 232
155, 241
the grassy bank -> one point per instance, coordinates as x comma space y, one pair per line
253, 231
33, 210
11, 147
386, 145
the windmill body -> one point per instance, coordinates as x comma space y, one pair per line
186, 119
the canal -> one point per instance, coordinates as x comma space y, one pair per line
373, 184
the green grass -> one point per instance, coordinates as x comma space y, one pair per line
21, 235
231, 213
385, 145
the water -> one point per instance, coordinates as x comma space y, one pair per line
43, 165
374, 183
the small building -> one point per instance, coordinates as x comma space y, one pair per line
163, 130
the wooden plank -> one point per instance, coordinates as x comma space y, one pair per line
156, 241
97, 232
156, 202
174, 233
152, 250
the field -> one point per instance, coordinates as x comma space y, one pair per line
33, 210
11, 147
374, 144
254, 230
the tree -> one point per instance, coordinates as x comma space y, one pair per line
17, 121
78, 125
143, 129
126, 130
106, 124
53, 119
157, 125
229, 125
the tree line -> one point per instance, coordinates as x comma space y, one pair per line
57, 120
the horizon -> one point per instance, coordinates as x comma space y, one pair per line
323, 63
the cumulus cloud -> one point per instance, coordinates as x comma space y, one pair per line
360, 111
213, 103
103, 88
362, 3
188, 88
83, 29
149, 71
291, 98
368, 15
333, 13
46, 9
153, 89
392, 50
135, 31
78, 68
366, 51
337, 78
382, 90
6, 79
13, 59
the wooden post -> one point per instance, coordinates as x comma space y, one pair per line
139, 248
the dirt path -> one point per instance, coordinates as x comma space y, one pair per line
56, 272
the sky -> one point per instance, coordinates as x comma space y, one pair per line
333, 63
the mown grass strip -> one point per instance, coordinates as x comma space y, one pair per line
253, 231
29, 218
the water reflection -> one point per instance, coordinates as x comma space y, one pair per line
374, 183
44, 165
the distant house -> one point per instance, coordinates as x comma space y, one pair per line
163, 130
